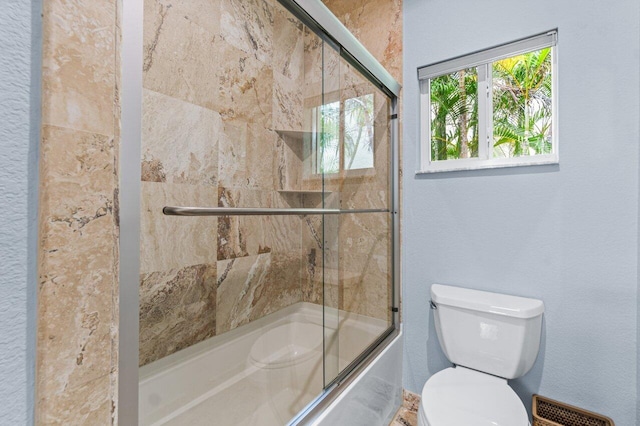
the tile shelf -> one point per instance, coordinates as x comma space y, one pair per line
295, 134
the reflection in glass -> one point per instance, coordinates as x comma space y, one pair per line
358, 132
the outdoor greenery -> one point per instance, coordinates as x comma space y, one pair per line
356, 120
522, 109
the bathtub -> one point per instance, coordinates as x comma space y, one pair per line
262, 373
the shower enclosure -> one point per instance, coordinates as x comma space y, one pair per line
267, 222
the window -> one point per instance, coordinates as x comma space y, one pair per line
344, 140
493, 108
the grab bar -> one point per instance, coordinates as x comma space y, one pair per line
238, 211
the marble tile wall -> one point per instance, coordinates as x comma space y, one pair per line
206, 98
217, 99
77, 323
364, 253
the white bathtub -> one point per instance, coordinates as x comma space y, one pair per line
262, 373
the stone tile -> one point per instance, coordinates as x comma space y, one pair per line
288, 106
321, 70
248, 26
240, 236
364, 194
246, 88
246, 156
321, 267
366, 284
288, 45
187, 67
289, 162
232, 155
173, 242
368, 20
252, 287
177, 310
78, 69
260, 158
204, 13
405, 417
77, 266
179, 141
283, 233
83, 404
410, 401
282, 285
407, 414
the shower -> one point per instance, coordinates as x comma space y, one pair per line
267, 230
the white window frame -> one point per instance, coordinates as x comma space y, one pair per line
483, 61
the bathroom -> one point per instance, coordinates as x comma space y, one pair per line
565, 233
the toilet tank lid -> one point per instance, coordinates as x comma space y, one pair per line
484, 301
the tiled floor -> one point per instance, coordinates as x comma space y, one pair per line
407, 415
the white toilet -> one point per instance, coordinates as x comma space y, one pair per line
490, 338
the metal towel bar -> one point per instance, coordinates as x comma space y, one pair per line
237, 211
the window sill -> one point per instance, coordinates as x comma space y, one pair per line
481, 164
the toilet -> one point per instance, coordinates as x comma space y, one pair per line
490, 338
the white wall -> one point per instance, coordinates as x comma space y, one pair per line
566, 234
20, 28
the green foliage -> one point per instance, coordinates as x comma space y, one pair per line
522, 104
522, 108
452, 112
358, 128
355, 118
329, 149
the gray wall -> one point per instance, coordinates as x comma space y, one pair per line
566, 234
20, 29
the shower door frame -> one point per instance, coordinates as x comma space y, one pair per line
315, 15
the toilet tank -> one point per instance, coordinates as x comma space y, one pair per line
489, 332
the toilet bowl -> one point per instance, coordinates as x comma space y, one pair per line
489, 338
460, 396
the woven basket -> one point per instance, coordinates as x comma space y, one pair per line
547, 412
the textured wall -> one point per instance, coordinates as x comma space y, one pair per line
214, 99
213, 135
19, 128
76, 372
566, 234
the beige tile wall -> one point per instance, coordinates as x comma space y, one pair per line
220, 77
219, 112
76, 372
363, 248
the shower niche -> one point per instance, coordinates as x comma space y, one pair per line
267, 213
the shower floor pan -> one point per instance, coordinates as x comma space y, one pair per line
262, 373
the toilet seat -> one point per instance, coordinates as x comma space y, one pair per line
459, 396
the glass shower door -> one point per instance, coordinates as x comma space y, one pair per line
265, 225
357, 169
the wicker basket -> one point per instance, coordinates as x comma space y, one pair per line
547, 412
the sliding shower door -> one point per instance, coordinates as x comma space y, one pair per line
355, 158
266, 214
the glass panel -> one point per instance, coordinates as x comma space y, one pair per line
522, 105
329, 149
454, 115
232, 307
358, 132
246, 319
332, 149
364, 239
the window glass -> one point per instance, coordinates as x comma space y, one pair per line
522, 107
454, 115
